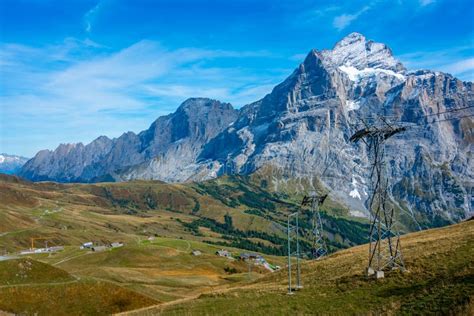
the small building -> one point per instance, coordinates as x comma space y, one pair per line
251, 256
255, 257
196, 253
244, 256
223, 253
260, 260
87, 245
98, 248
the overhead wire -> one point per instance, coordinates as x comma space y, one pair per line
425, 115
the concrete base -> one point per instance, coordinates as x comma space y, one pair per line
379, 274
369, 271
290, 293
299, 287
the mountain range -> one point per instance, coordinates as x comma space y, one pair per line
301, 131
11, 164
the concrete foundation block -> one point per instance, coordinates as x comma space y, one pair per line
369, 271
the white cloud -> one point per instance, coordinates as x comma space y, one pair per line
85, 90
459, 67
457, 61
340, 22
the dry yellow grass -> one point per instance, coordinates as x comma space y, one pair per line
440, 280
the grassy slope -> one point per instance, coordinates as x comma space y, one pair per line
440, 281
31, 287
162, 268
69, 214
21, 271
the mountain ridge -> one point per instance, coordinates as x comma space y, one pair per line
11, 164
302, 129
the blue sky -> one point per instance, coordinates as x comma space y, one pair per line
73, 70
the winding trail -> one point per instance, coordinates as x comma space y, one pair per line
70, 258
156, 309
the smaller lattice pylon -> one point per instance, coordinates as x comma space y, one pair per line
293, 234
318, 244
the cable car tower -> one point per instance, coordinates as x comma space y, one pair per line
384, 241
294, 233
318, 244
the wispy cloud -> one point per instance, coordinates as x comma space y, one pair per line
458, 61
322, 12
342, 21
90, 15
86, 90
424, 3
465, 66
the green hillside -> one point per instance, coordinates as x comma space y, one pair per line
230, 211
440, 281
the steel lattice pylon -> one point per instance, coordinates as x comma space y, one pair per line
293, 233
318, 244
384, 241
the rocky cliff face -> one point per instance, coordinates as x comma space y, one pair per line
302, 129
163, 152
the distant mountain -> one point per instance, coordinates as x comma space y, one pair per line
11, 164
169, 148
301, 130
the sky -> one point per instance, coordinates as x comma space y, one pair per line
73, 70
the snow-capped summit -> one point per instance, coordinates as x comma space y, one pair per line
11, 164
356, 51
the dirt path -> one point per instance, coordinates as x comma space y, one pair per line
70, 258
161, 306
37, 284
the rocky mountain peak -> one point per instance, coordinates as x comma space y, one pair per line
352, 39
197, 103
199, 109
356, 51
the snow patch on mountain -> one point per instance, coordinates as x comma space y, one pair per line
355, 193
358, 214
11, 164
357, 75
352, 105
